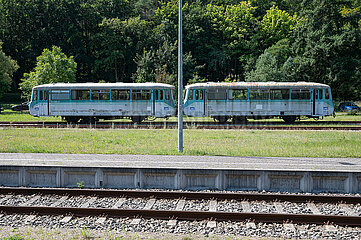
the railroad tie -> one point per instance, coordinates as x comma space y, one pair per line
4, 199
149, 204
213, 206
100, 221
330, 228
66, 219
30, 201
251, 225
348, 210
89, 202
135, 221
289, 227
172, 223
29, 219
119, 203
60, 201
211, 224
180, 205
313, 208
245, 206
279, 207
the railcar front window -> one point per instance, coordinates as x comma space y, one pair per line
258, 94
300, 94
327, 94
217, 94
190, 95
238, 94
80, 94
167, 97
60, 95
280, 94
121, 94
100, 94
35, 95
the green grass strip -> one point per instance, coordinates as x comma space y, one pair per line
196, 142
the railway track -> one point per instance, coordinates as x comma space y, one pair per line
182, 206
309, 125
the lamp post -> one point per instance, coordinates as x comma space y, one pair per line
180, 80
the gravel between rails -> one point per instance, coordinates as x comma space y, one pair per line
52, 227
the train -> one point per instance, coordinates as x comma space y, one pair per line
90, 102
222, 101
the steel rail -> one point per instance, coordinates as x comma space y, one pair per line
185, 195
185, 215
173, 126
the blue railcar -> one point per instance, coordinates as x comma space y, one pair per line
90, 102
241, 100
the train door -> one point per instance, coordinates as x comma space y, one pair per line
158, 97
317, 97
43, 103
200, 97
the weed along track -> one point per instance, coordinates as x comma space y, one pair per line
339, 125
177, 209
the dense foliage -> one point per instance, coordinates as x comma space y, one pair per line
7, 68
136, 40
51, 67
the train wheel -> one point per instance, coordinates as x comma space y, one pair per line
72, 120
137, 119
289, 119
239, 120
221, 119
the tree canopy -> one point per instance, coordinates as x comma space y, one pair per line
52, 66
7, 68
135, 40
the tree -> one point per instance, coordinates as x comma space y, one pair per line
328, 47
51, 67
7, 68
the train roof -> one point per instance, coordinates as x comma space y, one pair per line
103, 85
256, 85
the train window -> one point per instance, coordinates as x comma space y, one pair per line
327, 94
279, 94
239, 94
45, 95
258, 94
158, 94
80, 94
161, 94
300, 94
167, 97
41, 95
35, 95
122, 94
103, 94
217, 94
59, 94
141, 94
199, 95
190, 95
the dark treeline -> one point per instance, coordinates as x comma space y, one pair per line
224, 40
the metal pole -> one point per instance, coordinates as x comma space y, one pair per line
180, 81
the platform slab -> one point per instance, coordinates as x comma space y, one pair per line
181, 172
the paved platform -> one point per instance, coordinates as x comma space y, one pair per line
181, 172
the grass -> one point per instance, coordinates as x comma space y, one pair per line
196, 142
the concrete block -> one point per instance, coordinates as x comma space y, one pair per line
241, 181
159, 179
329, 183
41, 178
200, 181
285, 182
78, 177
118, 179
9, 178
